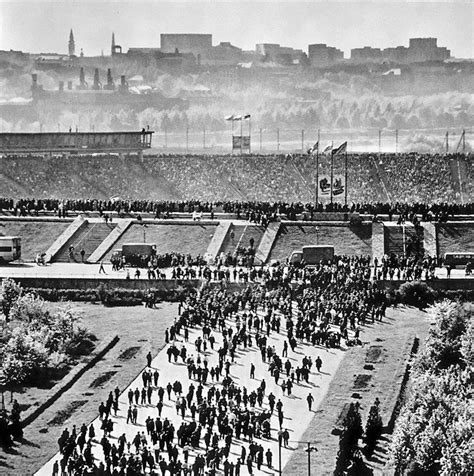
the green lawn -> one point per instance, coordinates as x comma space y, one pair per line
347, 240
455, 237
140, 330
386, 347
36, 236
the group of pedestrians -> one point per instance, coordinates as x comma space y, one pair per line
218, 415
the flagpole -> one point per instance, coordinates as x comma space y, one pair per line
345, 179
332, 169
250, 133
241, 138
317, 177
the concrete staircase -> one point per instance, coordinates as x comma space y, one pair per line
109, 241
268, 239
217, 240
429, 238
378, 248
397, 238
64, 238
232, 239
394, 240
87, 237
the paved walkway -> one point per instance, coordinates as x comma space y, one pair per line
83, 270
297, 415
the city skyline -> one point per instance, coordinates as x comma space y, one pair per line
291, 23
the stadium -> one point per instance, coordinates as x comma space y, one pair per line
176, 256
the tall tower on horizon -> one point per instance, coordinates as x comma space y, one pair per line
115, 49
72, 44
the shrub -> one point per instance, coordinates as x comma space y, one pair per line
416, 293
373, 428
42, 342
9, 293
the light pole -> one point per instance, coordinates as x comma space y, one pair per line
309, 450
279, 454
317, 234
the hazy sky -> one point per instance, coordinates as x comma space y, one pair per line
43, 26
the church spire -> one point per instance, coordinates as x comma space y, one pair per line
72, 44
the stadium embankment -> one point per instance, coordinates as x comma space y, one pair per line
226, 235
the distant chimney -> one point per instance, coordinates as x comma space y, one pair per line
96, 84
110, 82
123, 84
82, 79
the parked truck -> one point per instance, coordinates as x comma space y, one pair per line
311, 255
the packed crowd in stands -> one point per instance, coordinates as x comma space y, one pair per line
424, 178
223, 424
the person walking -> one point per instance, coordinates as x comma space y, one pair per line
252, 370
101, 268
310, 400
319, 363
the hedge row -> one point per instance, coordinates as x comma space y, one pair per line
111, 296
421, 295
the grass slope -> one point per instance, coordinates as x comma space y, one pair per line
192, 239
386, 348
36, 236
455, 237
138, 328
345, 239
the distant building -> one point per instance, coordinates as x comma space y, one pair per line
323, 55
399, 54
426, 49
194, 43
72, 44
224, 54
279, 54
155, 57
420, 50
366, 54
47, 61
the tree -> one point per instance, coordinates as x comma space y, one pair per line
349, 439
434, 434
9, 293
443, 346
373, 428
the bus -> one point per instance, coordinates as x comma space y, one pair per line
458, 259
10, 248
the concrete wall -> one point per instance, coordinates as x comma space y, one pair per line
91, 283
436, 284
